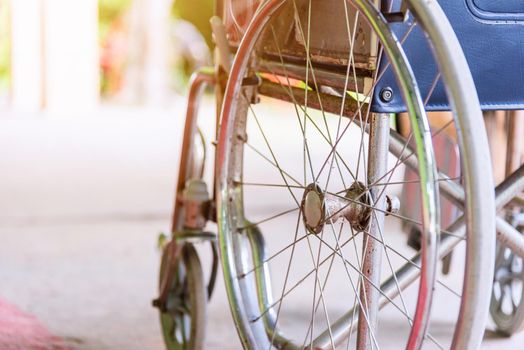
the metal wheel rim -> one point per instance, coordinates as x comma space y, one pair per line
251, 337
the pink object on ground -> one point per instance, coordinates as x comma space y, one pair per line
23, 331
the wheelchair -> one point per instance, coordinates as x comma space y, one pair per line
342, 128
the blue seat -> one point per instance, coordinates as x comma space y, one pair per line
491, 33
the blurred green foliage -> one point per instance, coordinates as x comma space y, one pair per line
108, 11
198, 12
4, 45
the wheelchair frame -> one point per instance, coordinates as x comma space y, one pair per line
508, 192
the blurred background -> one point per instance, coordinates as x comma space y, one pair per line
123, 52
92, 104
92, 101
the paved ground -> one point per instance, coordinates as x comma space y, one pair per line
82, 200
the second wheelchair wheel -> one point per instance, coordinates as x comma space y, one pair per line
507, 298
308, 209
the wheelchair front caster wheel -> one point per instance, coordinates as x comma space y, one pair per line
183, 311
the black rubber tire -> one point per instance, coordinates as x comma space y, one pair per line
188, 285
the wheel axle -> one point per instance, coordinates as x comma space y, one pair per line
319, 208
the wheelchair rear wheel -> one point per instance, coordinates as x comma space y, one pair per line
307, 213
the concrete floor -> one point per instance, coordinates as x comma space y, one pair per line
82, 200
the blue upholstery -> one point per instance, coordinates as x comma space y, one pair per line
491, 33
499, 6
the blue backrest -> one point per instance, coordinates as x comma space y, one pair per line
491, 33
498, 6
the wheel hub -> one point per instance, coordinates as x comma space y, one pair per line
319, 208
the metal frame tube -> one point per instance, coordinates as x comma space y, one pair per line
372, 248
511, 187
327, 103
506, 193
199, 80
510, 237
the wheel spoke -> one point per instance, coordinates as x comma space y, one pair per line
272, 217
301, 280
261, 264
317, 282
306, 153
260, 184
307, 116
274, 331
412, 153
316, 86
274, 164
272, 153
317, 303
